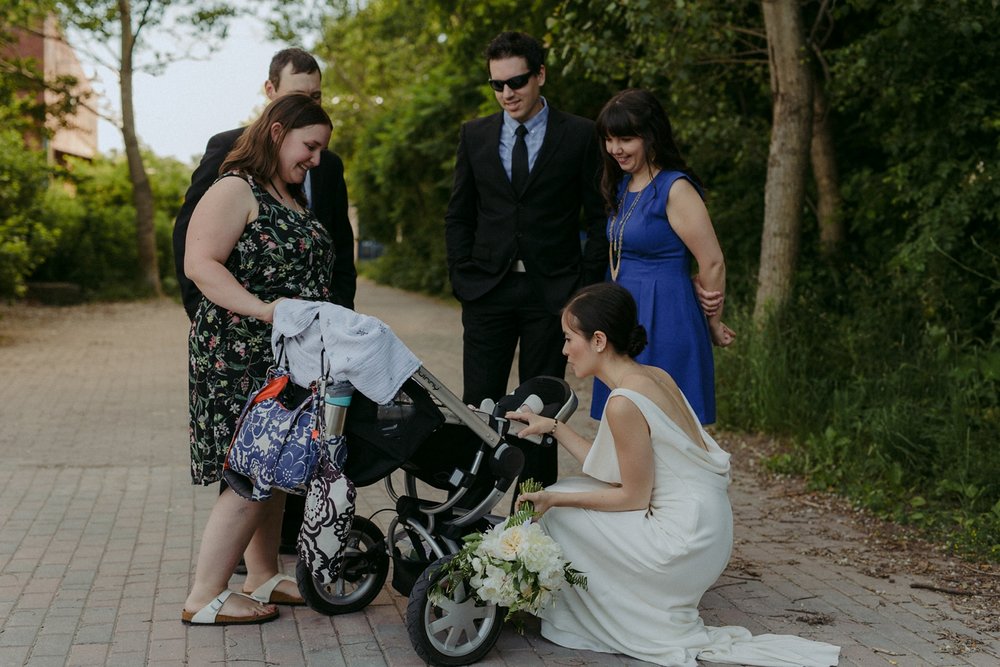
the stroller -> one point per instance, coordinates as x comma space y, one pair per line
465, 454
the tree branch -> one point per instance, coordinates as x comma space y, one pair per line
951, 591
746, 31
141, 23
735, 59
821, 60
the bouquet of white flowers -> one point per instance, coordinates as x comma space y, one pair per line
513, 565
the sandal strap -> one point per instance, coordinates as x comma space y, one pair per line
263, 592
210, 612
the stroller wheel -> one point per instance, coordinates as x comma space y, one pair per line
366, 565
460, 631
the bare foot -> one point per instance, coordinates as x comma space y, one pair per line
290, 591
285, 590
235, 606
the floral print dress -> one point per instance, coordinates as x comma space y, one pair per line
282, 253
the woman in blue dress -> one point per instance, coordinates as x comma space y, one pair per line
657, 224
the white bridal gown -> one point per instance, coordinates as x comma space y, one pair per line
647, 570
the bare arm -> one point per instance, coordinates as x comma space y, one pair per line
216, 226
635, 459
689, 218
572, 442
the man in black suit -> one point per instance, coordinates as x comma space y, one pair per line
525, 186
291, 71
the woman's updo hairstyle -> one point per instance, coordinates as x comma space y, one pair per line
610, 308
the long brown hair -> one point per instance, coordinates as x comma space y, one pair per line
256, 152
637, 113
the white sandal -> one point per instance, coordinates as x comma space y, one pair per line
266, 593
209, 614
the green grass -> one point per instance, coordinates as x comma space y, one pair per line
902, 422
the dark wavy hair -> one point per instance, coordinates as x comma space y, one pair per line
636, 112
514, 44
610, 308
256, 152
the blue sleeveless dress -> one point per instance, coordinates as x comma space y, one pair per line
656, 268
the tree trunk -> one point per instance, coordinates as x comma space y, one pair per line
824, 164
788, 159
142, 192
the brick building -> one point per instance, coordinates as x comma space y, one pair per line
77, 136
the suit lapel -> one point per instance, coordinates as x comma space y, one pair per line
555, 130
315, 185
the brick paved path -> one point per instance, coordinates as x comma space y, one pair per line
99, 524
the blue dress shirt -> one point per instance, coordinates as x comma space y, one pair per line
536, 134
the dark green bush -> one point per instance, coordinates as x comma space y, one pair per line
26, 237
95, 220
878, 405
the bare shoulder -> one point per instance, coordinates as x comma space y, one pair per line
621, 407
683, 187
649, 381
683, 195
231, 190
232, 182
657, 385
229, 198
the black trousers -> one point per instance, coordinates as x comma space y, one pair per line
511, 314
292, 522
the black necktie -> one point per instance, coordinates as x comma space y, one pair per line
519, 160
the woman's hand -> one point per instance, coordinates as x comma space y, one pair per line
267, 313
709, 300
721, 334
543, 500
536, 424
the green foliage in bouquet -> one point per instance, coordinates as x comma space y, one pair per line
514, 565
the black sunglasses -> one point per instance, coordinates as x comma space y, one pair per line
515, 82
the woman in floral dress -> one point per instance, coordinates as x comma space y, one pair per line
252, 241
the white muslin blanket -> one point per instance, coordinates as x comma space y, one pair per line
359, 349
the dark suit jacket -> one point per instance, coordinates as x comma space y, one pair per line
488, 226
329, 203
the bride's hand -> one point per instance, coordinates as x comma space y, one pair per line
542, 501
536, 424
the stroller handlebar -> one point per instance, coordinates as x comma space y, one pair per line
455, 404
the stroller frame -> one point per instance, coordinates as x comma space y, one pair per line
462, 631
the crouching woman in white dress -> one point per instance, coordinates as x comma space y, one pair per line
650, 524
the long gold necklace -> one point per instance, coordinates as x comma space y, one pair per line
615, 247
